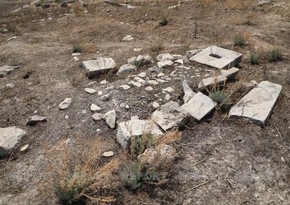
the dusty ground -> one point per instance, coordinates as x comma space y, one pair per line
240, 162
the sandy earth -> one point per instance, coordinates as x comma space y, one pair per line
239, 162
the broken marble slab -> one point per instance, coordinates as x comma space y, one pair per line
212, 81
164, 64
127, 68
33, 120
231, 73
199, 106
99, 66
135, 127
9, 138
169, 116
140, 60
188, 93
218, 57
258, 103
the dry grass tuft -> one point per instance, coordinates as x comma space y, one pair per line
169, 137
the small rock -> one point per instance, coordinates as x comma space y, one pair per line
76, 59
140, 60
188, 93
160, 75
179, 61
149, 88
168, 89
33, 120
128, 38
127, 107
155, 105
97, 116
152, 82
167, 97
65, 104
10, 85
142, 75
90, 90
137, 49
208, 82
103, 82
164, 64
24, 148
231, 73
94, 108
127, 68
12, 38
6, 69
66, 117
125, 87
154, 69
164, 57
99, 66
106, 97
111, 118
108, 154
137, 84
100, 93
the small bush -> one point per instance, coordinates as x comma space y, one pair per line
276, 55
254, 59
164, 21
221, 99
138, 144
76, 48
135, 174
239, 40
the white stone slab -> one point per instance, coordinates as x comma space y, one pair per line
99, 66
207, 82
199, 106
224, 58
169, 115
258, 103
230, 73
135, 127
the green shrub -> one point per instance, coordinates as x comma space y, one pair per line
254, 59
164, 21
135, 174
239, 40
68, 193
76, 48
276, 55
138, 144
221, 99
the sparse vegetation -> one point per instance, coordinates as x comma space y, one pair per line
164, 21
138, 144
239, 40
254, 59
76, 48
275, 55
221, 99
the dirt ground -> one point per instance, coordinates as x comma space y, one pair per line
220, 161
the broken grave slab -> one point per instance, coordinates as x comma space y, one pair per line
258, 103
199, 106
135, 127
218, 57
9, 138
99, 66
170, 115
212, 81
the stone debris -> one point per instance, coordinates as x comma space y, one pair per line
188, 93
155, 105
65, 104
100, 93
213, 81
24, 148
149, 88
168, 89
199, 106
90, 90
170, 115
128, 38
12, 38
135, 127
127, 68
106, 97
33, 120
177, 56
154, 69
7, 69
152, 82
137, 84
110, 118
218, 57
167, 97
179, 61
140, 60
97, 116
9, 138
258, 103
160, 75
164, 64
125, 87
99, 66
160, 157
10, 85
103, 82
108, 154
95, 108
164, 57
142, 75
231, 73
140, 80
76, 59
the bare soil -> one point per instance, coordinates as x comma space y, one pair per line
221, 160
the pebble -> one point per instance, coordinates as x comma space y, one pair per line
10, 85
167, 97
100, 93
152, 82
24, 148
155, 105
142, 75
160, 75
168, 89
97, 116
76, 59
65, 104
103, 82
94, 108
90, 90
108, 154
125, 87
149, 88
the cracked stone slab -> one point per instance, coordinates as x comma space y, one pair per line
9, 138
258, 103
230, 73
208, 82
135, 127
99, 66
170, 115
218, 57
199, 106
